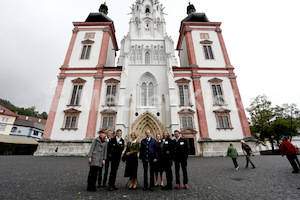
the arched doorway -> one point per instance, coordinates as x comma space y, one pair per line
144, 122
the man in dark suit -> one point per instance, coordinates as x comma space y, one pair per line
115, 148
107, 162
148, 156
181, 153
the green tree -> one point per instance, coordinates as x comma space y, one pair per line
271, 123
262, 115
23, 111
287, 120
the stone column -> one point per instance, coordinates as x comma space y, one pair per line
164, 112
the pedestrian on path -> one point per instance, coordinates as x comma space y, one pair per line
246, 148
97, 157
290, 151
232, 152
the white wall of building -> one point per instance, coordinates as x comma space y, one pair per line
110, 61
184, 60
6, 123
218, 60
57, 133
75, 60
214, 133
27, 132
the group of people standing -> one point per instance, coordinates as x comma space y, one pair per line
156, 155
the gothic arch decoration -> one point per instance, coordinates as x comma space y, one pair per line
147, 10
147, 121
147, 90
148, 77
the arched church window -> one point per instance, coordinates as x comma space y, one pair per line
147, 10
147, 90
144, 94
151, 94
147, 58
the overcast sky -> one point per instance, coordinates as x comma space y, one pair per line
262, 38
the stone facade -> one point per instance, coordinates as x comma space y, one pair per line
148, 89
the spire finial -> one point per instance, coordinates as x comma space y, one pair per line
103, 8
190, 9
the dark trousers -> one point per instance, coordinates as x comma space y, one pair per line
92, 178
177, 168
168, 170
297, 161
113, 172
292, 160
106, 166
234, 162
145, 165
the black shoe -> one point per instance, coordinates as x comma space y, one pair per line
246, 166
92, 189
253, 167
167, 187
144, 189
295, 172
151, 189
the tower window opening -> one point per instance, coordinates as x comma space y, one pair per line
85, 54
147, 10
147, 58
208, 52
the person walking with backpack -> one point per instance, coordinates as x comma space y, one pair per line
232, 152
248, 152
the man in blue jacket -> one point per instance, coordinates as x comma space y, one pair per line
148, 156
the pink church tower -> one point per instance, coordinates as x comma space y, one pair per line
75, 106
204, 58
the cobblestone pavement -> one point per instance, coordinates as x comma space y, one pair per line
29, 177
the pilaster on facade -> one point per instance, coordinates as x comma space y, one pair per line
240, 107
54, 106
71, 46
223, 47
94, 108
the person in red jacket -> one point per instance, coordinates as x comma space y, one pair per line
291, 152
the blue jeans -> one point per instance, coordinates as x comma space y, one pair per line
234, 162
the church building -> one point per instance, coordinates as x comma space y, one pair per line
146, 87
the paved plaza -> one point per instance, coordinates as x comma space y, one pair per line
29, 177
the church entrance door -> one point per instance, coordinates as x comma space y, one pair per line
147, 121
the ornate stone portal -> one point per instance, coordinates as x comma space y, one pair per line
147, 121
